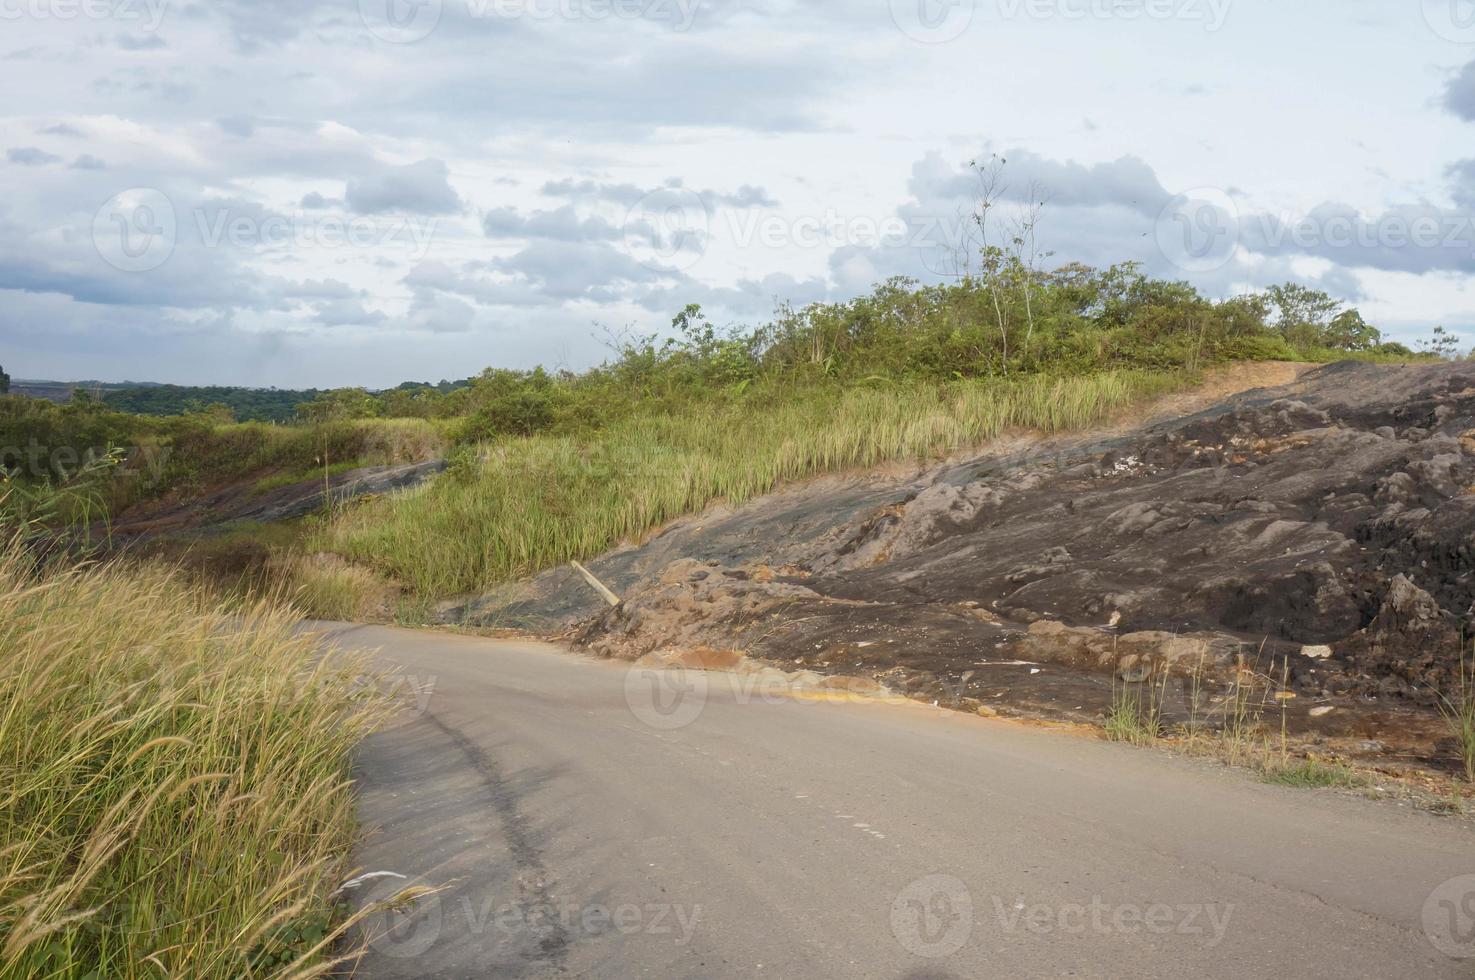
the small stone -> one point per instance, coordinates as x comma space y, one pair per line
1317, 652
1321, 711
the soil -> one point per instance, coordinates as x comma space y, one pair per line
1300, 552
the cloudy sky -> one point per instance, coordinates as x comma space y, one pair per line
336, 192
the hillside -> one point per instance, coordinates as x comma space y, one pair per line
1316, 533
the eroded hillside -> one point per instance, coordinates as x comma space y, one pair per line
1319, 531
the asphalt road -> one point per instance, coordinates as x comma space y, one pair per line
583, 819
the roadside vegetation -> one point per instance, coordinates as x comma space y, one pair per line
1245, 724
552, 466
174, 774
1458, 708
515, 506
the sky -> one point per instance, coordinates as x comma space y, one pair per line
323, 193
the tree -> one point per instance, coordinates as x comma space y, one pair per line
1310, 318
1009, 271
1441, 344
1302, 313
339, 405
1349, 331
4, 382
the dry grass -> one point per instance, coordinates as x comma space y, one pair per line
327, 587
174, 795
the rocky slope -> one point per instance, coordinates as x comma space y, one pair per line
1317, 534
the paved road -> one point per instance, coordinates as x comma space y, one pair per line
582, 821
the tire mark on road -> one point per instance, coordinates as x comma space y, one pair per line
534, 882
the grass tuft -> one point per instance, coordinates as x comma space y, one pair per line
1312, 774
327, 587
174, 793
1458, 708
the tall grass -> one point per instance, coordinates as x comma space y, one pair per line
1458, 708
222, 452
327, 587
174, 795
531, 503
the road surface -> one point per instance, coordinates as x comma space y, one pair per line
584, 819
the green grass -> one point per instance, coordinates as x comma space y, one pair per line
531, 503
289, 478
1311, 774
1458, 708
1135, 714
226, 452
174, 779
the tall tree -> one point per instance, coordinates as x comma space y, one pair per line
4, 382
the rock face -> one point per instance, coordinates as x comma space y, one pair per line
241, 502
1412, 647
1336, 512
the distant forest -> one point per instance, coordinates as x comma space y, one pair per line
223, 403
244, 404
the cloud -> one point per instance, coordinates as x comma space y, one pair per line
416, 188
1459, 95
1415, 238
322, 289
581, 270
141, 42
1027, 176
436, 312
346, 313
1116, 211
30, 156
563, 224
257, 24
313, 201
88, 162
627, 195
1462, 180
241, 127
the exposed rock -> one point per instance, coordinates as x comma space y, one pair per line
1277, 526
1411, 648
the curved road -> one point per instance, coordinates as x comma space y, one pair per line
583, 819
